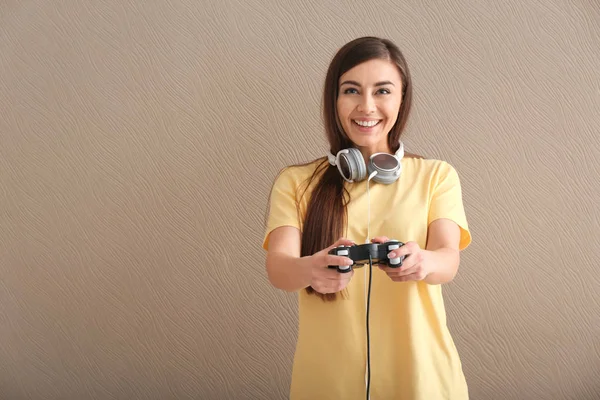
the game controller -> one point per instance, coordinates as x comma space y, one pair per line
360, 255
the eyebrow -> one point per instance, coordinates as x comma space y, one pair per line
358, 84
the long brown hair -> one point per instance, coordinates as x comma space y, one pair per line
326, 213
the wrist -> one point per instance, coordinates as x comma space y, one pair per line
305, 265
289, 273
442, 265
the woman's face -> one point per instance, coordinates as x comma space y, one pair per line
369, 99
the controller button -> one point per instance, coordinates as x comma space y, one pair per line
342, 253
393, 247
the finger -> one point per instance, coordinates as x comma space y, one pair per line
380, 239
324, 289
416, 276
410, 265
330, 286
408, 248
404, 270
415, 269
331, 259
336, 286
412, 260
391, 272
412, 255
341, 242
330, 274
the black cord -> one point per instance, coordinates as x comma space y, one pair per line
368, 333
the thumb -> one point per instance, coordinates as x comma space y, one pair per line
380, 239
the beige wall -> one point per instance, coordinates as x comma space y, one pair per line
138, 142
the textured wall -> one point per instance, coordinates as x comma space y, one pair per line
138, 142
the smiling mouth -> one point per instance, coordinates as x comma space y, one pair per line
366, 124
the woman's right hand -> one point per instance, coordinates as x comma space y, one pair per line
329, 280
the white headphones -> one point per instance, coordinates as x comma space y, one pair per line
385, 167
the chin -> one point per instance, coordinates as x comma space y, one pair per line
368, 141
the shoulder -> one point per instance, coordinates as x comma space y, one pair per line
303, 171
430, 167
431, 174
296, 175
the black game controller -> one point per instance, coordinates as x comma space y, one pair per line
360, 255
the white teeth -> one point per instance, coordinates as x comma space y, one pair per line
367, 123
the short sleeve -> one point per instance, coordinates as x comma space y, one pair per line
447, 202
282, 209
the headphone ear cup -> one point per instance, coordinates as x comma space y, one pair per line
388, 167
356, 163
386, 178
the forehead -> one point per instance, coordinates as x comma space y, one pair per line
372, 71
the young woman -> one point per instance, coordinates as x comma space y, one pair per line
380, 331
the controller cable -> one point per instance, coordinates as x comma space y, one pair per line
368, 372
368, 293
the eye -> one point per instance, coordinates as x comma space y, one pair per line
384, 91
350, 90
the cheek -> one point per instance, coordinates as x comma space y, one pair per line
344, 112
391, 112
344, 109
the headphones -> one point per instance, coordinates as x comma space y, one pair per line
385, 167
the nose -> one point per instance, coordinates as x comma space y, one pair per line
366, 104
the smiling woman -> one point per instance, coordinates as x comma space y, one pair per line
318, 206
368, 104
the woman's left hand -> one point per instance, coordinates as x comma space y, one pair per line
415, 267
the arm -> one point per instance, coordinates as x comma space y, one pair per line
286, 270
437, 263
442, 251
447, 234
290, 272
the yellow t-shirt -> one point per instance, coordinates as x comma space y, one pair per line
413, 356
